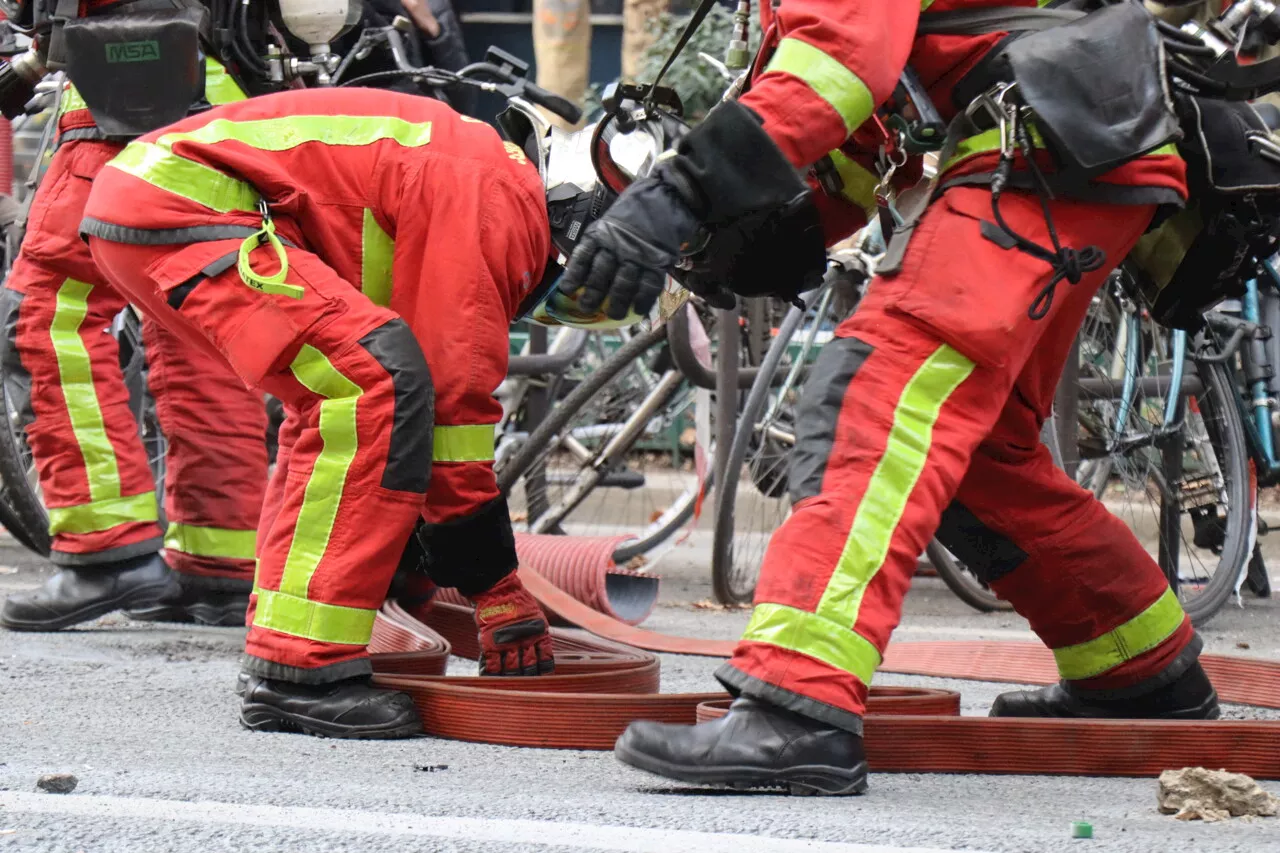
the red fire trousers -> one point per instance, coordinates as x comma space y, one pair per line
94, 472
931, 398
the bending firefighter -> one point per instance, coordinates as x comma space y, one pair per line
925, 411
359, 255
94, 473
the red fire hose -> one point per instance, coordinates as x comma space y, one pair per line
604, 680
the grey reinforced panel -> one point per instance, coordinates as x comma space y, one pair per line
91, 227
819, 411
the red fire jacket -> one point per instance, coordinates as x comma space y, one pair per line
831, 63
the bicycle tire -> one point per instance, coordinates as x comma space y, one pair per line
729, 585
31, 521
1230, 444
962, 582
529, 455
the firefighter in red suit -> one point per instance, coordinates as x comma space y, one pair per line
359, 255
94, 472
925, 411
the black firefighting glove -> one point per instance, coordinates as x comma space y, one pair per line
726, 171
624, 256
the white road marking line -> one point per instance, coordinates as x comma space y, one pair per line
626, 839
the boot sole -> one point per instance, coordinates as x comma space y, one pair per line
264, 718
1207, 710
199, 614
803, 781
140, 597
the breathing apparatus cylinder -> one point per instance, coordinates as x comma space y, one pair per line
18, 79
318, 22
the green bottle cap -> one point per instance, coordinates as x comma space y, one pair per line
1081, 829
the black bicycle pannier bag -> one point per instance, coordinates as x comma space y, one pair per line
1204, 254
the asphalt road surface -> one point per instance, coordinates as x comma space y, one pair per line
145, 717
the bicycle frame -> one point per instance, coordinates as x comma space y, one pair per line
1257, 367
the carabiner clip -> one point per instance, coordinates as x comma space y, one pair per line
1004, 115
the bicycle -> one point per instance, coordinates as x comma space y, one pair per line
1161, 441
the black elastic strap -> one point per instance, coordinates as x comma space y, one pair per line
695, 20
998, 19
1066, 262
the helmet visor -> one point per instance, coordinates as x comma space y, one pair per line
557, 309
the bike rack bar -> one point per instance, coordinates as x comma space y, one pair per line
1092, 388
686, 360
545, 364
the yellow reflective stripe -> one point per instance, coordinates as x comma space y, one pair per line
219, 86
216, 542
186, 178
376, 252
468, 443
325, 486
827, 77
75, 377
878, 514
156, 163
103, 515
813, 635
891, 483
285, 132
72, 100
313, 620
859, 183
988, 142
1142, 633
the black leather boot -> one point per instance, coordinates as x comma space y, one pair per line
202, 600
79, 594
756, 745
351, 708
1190, 696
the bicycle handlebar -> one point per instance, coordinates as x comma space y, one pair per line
562, 107
482, 75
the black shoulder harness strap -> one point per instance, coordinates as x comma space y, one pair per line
997, 19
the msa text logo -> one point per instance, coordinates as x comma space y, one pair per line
133, 51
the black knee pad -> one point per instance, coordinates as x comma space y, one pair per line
819, 411
988, 554
394, 347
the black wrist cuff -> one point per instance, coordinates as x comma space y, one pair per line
731, 167
473, 553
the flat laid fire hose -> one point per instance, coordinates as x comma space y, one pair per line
605, 679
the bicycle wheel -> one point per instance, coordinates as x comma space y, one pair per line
746, 515
754, 499
1183, 491
623, 437
19, 485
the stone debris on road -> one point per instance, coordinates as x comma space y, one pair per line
57, 783
1196, 793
